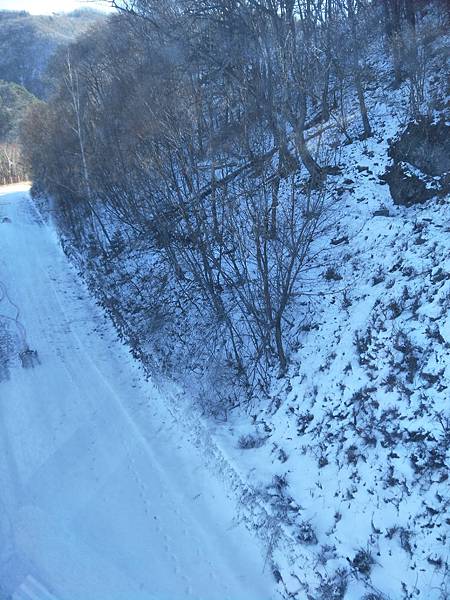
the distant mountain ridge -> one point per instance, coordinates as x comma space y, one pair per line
27, 43
14, 101
27, 46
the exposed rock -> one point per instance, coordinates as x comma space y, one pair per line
338, 241
424, 145
421, 163
406, 187
382, 212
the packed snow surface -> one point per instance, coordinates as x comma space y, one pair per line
103, 496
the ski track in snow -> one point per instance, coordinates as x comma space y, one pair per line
92, 506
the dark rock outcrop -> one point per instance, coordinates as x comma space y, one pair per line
421, 163
425, 145
408, 186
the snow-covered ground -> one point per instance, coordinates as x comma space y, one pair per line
102, 494
352, 449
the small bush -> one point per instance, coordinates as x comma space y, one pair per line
249, 441
362, 342
352, 455
363, 562
332, 275
396, 308
306, 534
334, 587
378, 277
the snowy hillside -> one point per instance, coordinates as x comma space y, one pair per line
258, 199
352, 449
344, 467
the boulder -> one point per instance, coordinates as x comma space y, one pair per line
408, 186
420, 166
425, 145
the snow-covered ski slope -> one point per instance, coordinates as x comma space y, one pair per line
93, 504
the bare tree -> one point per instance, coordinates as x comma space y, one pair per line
72, 83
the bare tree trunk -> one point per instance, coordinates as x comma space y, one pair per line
362, 105
280, 347
274, 207
357, 71
72, 84
314, 169
392, 17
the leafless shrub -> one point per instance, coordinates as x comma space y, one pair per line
249, 441
333, 587
305, 534
363, 561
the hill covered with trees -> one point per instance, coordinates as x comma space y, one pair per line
14, 103
28, 42
257, 193
28, 45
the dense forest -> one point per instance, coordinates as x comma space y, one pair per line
256, 193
